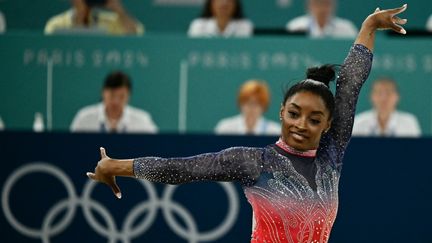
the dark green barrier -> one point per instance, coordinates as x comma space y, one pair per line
210, 70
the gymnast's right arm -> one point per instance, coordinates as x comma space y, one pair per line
232, 164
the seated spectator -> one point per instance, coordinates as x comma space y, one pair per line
2, 125
429, 24
2, 23
94, 16
114, 114
384, 119
321, 21
223, 18
253, 100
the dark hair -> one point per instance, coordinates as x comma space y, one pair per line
207, 10
317, 82
117, 79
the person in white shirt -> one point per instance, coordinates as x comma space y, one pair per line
429, 24
321, 22
221, 18
253, 100
2, 23
384, 119
114, 114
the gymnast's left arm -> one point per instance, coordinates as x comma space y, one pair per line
356, 69
233, 164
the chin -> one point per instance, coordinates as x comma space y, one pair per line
299, 145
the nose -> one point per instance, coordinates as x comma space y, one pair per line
301, 123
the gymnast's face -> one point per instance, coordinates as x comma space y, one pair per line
115, 100
223, 8
304, 119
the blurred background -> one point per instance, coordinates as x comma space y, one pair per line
187, 75
138, 76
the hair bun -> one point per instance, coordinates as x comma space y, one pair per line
325, 73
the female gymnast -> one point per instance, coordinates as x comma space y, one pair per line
292, 185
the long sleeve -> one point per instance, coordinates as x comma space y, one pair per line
352, 75
233, 164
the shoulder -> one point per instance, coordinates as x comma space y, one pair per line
61, 16
229, 125
429, 23
87, 118
344, 24
300, 22
138, 114
405, 116
91, 110
365, 115
230, 120
200, 22
62, 20
199, 27
273, 127
243, 23
104, 15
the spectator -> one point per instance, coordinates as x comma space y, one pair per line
253, 100
321, 21
114, 114
94, 16
429, 24
2, 125
2, 23
384, 119
221, 18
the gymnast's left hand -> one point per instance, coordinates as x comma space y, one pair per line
107, 169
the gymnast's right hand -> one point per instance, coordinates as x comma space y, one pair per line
107, 169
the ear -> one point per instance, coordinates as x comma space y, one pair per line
281, 112
328, 125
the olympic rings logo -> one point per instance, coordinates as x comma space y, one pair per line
111, 231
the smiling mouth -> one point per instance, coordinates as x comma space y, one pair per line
298, 136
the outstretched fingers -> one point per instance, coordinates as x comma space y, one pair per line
115, 188
399, 10
91, 175
103, 153
396, 27
398, 20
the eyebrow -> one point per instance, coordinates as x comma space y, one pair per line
313, 112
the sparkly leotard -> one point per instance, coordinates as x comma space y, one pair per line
294, 197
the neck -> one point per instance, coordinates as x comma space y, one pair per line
113, 115
222, 23
250, 123
321, 22
303, 153
383, 119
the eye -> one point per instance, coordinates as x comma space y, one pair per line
293, 114
315, 121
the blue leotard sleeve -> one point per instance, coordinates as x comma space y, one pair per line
234, 164
353, 73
